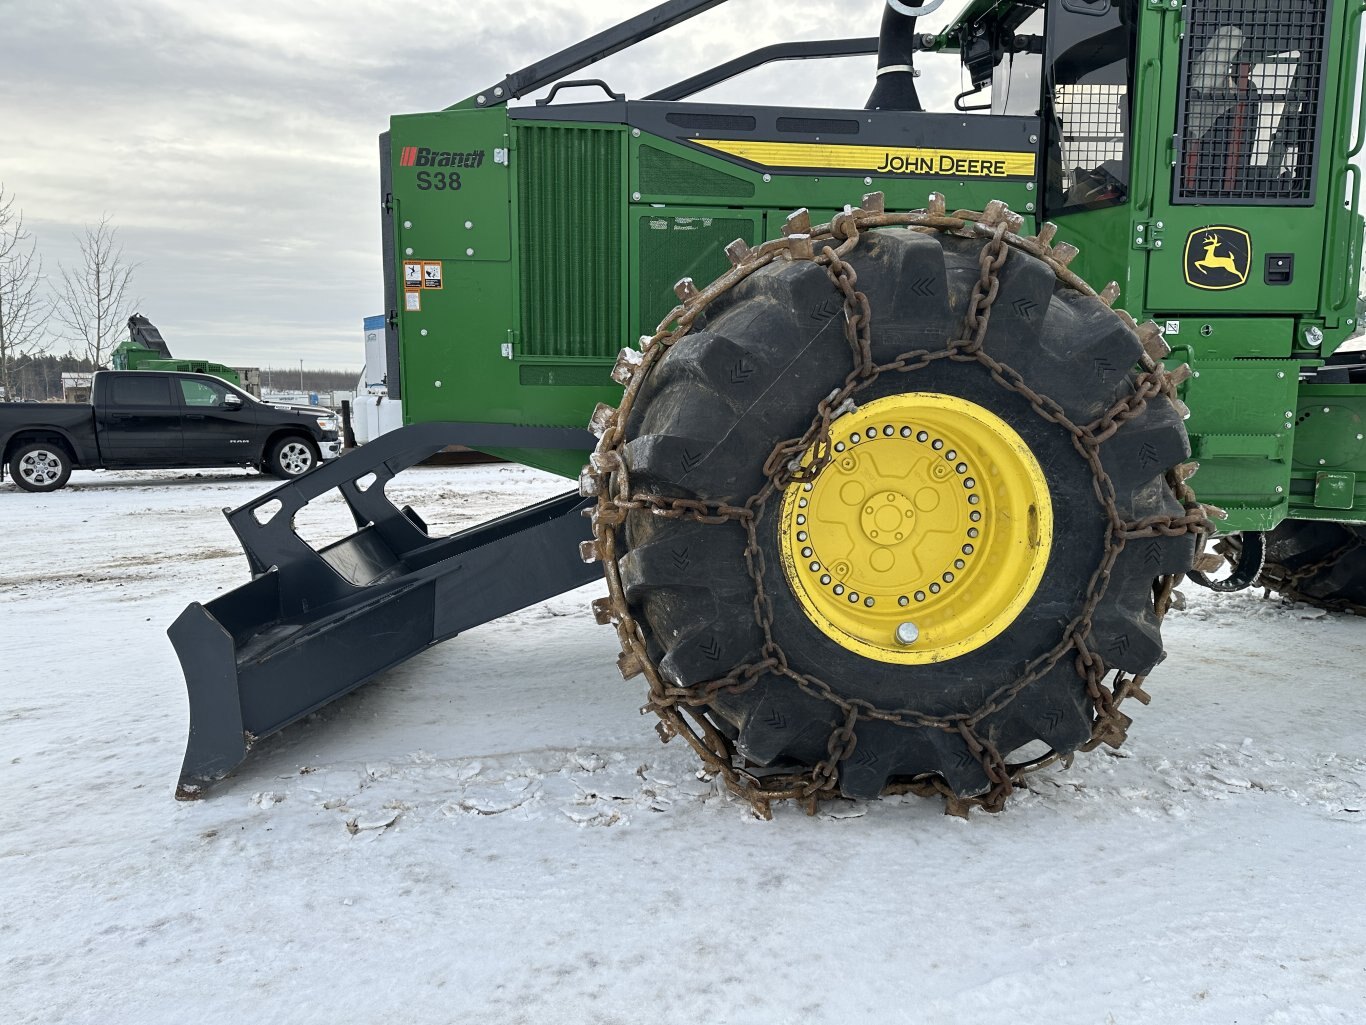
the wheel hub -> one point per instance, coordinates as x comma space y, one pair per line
39, 467
295, 458
932, 521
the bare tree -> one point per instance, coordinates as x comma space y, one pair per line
23, 311
93, 301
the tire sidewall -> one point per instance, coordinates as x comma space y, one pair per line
53, 451
275, 461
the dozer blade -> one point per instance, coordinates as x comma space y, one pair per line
312, 626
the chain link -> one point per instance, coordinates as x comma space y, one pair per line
1277, 577
681, 708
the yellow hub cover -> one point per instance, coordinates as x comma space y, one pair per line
925, 536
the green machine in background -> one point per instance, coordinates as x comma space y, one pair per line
147, 350
898, 495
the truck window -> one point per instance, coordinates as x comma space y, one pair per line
140, 391
202, 393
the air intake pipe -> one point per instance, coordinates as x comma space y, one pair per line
896, 74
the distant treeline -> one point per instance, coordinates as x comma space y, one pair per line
40, 378
287, 379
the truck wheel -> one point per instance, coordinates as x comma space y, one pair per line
882, 519
40, 466
291, 457
1322, 564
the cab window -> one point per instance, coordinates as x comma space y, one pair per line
202, 393
1088, 68
1017, 79
1253, 87
140, 391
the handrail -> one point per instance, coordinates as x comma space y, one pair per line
1148, 129
578, 83
1361, 99
807, 50
593, 49
1349, 286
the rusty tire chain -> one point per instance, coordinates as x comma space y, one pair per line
608, 479
1286, 582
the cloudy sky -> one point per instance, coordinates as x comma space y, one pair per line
233, 144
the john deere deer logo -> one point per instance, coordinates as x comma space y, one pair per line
1213, 261
1218, 258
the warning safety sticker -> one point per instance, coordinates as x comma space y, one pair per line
412, 274
431, 275
412, 302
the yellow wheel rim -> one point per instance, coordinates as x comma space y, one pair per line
925, 536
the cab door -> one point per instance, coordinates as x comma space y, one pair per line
218, 430
139, 421
1241, 208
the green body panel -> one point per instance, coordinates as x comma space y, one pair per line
565, 229
1329, 475
1318, 291
456, 341
1244, 455
1196, 338
130, 356
134, 357
550, 265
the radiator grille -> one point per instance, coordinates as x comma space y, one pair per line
565, 375
569, 189
676, 247
664, 174
1252, 101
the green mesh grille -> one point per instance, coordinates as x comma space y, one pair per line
664, 174
569, 192
673, 248
575, 375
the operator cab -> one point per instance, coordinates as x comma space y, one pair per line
1075, 77
1251, 91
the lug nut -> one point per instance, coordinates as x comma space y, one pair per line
907, 634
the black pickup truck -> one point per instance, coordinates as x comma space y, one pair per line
153, 420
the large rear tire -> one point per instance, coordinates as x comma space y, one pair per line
951, 579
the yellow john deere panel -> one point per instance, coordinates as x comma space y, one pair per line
951, 163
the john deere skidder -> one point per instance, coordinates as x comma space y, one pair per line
897, 501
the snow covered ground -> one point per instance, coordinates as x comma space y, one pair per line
493, 834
